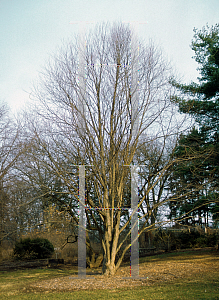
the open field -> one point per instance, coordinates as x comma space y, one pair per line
179, 275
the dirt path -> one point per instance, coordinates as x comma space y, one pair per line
157, 270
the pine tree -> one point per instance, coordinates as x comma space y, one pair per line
201, 100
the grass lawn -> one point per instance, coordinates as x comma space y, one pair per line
201, 285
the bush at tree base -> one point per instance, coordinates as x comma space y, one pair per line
37, 248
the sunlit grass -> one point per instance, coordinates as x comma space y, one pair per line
15, 285
202, 289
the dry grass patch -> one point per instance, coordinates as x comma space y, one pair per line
191, 274
153, 270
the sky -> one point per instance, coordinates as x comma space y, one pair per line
32, 30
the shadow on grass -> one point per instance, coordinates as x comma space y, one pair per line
181, 290
14, 285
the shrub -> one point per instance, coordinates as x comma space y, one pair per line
212, 240
165, 240
206, 240
188, 239
201, 242
33, 249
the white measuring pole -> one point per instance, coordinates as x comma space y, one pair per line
134, 130
81, 120
82, 225
134, 223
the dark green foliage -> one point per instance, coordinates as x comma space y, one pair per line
198, 151
206, 241
203, 100
165, 239
215, 213
188, 179
33, 249
169, 240
188, 239
206, 47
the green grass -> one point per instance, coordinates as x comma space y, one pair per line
181, 290
202, 286
172, 255
14, 282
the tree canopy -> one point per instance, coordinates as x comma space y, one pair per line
201, 101
98, 105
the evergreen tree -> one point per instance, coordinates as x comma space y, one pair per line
188, 180
201, 100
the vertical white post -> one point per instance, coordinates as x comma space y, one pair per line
81, 120
82, 225
134, 131
134, 223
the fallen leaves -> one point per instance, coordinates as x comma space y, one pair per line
149, 274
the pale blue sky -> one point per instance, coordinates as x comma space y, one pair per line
31, 30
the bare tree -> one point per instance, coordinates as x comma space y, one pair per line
153, 188
99, 115
10, 150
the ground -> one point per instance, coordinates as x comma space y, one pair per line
151, 270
